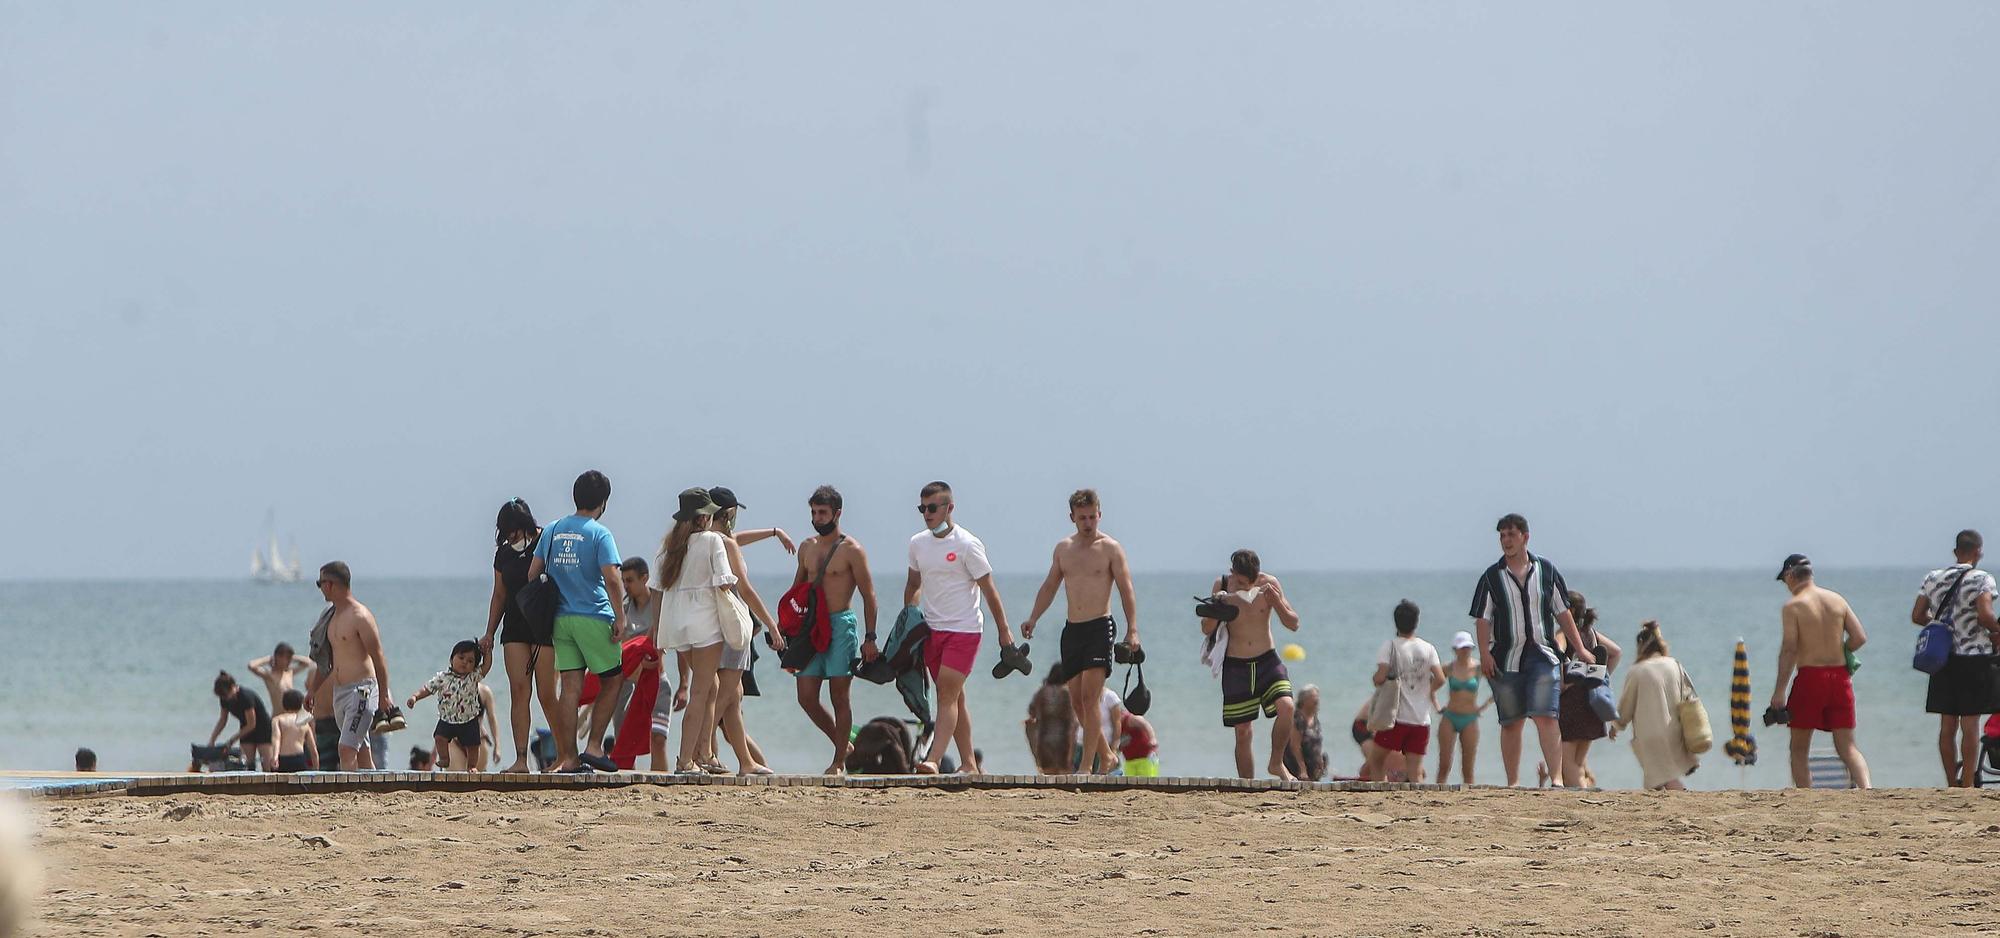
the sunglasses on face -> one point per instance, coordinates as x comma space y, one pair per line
933, 509
323, 582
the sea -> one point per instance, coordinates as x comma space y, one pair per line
125, 668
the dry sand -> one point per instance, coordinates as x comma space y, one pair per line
791, 861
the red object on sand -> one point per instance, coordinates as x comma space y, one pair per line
635, 734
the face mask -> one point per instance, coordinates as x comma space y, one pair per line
942, 528
827, 528
519, 544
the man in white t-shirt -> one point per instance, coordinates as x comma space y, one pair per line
948, 575
1414, 664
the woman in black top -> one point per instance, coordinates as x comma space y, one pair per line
529, 656
1579, 724
260, 748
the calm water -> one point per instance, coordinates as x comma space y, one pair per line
125, 668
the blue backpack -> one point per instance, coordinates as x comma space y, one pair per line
1934, 642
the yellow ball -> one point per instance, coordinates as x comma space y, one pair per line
1292, 652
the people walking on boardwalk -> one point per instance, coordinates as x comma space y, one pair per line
734, 667
1516, 606
459, 707
1086, 566
840, 565
949, 574
1579, 723
1253, 676
254, 729
693, 573
355, 686
580, 555
1968, 687
1650, 703
528, 654
1821, 632
1413, 664
1458, 735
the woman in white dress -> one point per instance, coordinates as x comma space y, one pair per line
736, 662
1650, 705
692, 575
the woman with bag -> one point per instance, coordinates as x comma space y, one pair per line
1657, 691
1577, 719
529, 652
735, 664
700, 614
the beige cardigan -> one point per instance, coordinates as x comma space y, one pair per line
1650, 705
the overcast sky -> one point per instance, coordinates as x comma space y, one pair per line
1689, 286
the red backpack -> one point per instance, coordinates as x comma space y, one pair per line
803, 619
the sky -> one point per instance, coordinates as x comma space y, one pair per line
1691, 286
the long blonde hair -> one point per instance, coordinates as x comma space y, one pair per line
674, 550
1650, 641
725, 521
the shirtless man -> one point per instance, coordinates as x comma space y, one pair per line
1820, 629
356, 687
1253, 676
846, 572
279, 670
1086, 566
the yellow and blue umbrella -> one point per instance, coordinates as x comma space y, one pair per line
1742, 747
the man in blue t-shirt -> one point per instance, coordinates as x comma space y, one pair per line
580, 556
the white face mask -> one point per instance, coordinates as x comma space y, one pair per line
519, 544
942, 528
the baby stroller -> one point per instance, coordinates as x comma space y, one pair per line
215, 758
1989, 754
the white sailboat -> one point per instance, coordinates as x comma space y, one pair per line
267, 565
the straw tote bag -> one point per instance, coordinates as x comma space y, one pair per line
734, 618
1694, 719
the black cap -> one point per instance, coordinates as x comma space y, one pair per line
695, 502
1795, 560
724, 498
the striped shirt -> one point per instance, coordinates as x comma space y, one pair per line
1523, 612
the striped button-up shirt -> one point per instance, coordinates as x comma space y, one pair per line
1523, 611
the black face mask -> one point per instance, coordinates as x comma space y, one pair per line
827, 528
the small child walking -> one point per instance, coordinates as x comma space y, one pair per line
457, 690
298, 748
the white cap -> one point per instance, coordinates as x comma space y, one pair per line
1461, 640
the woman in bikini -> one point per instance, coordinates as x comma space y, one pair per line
1460, 729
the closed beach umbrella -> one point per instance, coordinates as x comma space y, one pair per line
1742, 747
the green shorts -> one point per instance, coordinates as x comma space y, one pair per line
585, 642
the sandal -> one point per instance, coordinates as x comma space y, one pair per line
716, 768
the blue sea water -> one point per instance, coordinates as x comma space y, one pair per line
125, 668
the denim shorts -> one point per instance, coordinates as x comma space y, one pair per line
1533, 691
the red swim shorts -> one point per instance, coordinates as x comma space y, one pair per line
1408, 738
1822, 699
954, 650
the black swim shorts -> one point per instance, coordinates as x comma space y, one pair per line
465, 734
1252, 683
1087, 645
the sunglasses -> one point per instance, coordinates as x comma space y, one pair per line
322, 582
933, 509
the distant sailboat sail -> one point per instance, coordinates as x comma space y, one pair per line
267, 565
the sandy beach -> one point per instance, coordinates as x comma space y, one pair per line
797, 861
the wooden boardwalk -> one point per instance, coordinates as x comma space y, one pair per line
247, 783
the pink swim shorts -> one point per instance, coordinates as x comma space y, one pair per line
954, 650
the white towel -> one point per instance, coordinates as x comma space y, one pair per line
1215, 647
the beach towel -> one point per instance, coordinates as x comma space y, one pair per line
904, 650
636, 732
1213, 651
